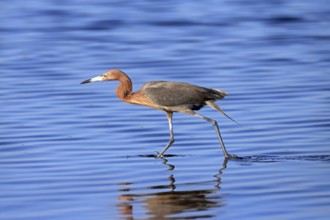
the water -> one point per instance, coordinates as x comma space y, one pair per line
71, 151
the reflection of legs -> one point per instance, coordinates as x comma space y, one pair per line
171, 141
215, 125
218, 175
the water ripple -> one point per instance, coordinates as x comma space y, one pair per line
71, 151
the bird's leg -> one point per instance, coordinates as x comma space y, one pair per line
216, 127
171, 141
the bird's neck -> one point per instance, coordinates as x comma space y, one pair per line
124, 90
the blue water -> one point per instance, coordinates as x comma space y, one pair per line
71, 151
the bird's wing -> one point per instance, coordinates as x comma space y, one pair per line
174, 93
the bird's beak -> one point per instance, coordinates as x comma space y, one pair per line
95, 79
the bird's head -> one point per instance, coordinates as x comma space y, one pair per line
114, 74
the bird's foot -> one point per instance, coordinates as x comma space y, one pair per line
232, 156
158, 155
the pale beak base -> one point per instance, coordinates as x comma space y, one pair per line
95, 79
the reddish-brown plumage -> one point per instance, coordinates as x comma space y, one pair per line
124, 90
169, 97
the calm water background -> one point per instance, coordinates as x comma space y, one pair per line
71, 151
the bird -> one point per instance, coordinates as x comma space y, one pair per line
169, 97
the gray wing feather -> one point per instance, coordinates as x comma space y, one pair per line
177, 94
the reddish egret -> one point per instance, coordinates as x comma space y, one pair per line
168, 97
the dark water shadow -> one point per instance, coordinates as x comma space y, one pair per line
165, 155
281, 158
257, 158
167, 204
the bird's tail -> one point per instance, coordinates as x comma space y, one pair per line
219, 93
216, 107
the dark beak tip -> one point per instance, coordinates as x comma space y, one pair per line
86, 81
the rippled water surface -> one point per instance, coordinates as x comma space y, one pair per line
71, 151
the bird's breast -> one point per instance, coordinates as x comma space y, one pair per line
140, 99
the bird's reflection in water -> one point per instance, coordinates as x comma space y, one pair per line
164, 205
